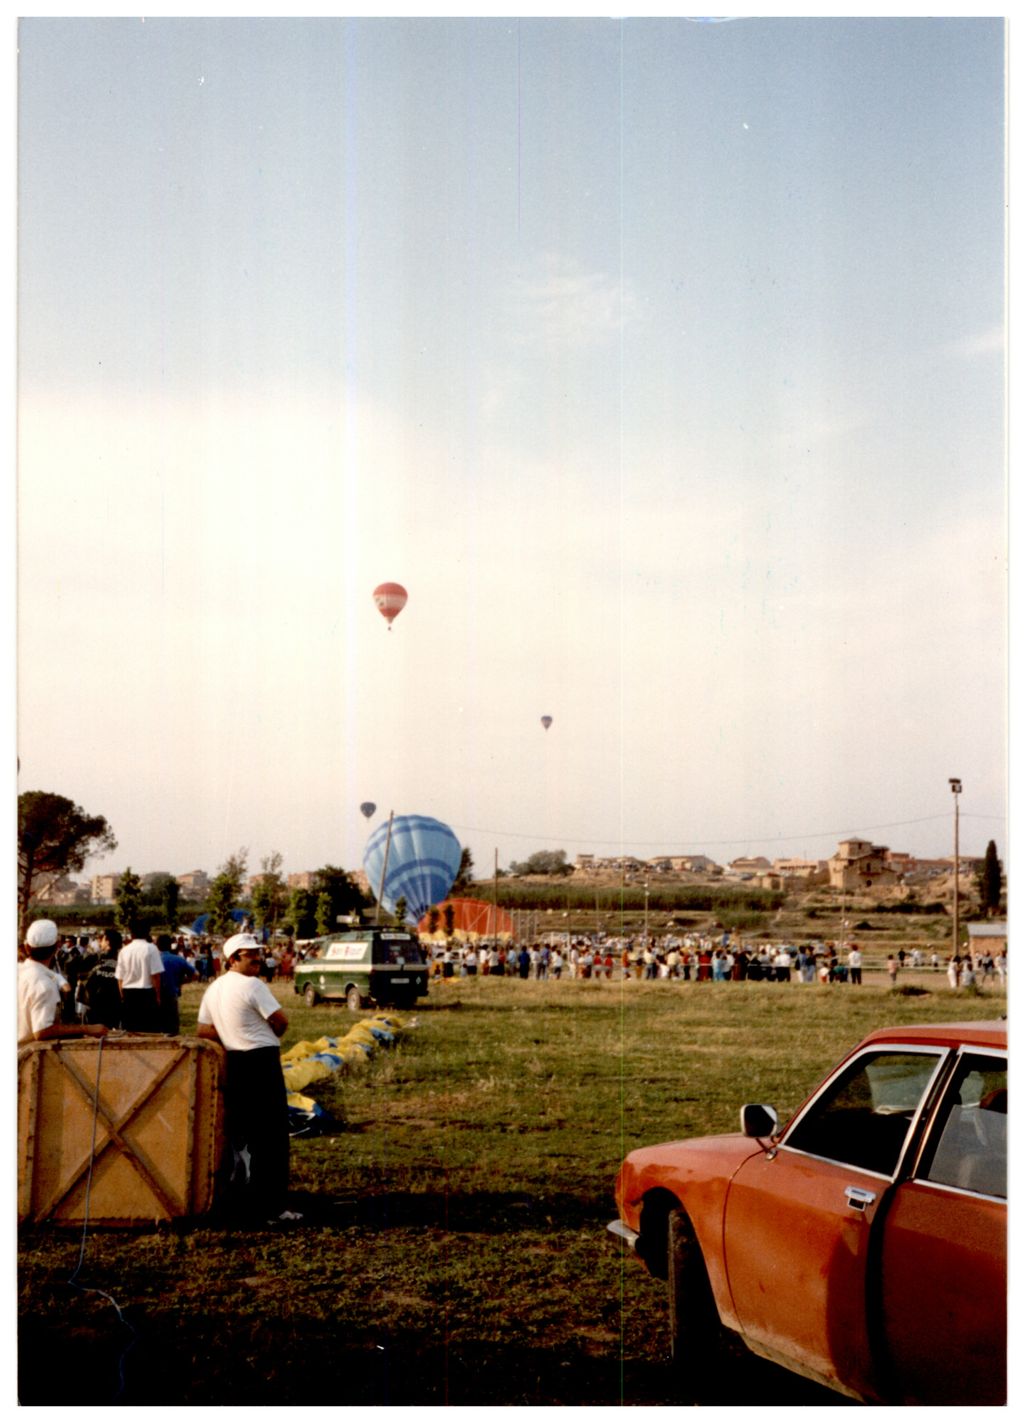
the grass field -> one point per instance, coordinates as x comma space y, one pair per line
454, 1247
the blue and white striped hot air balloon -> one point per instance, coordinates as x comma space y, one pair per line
422, 862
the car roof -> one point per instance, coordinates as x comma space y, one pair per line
978, 1034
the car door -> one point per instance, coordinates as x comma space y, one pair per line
943, 1262
800, 1242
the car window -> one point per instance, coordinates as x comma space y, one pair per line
968, 1144
862, 1118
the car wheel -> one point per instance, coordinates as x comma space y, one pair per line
311, 996
695, 1329
354, 999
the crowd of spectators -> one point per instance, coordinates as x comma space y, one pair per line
693, 959
90, 974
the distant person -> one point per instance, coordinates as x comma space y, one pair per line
177, 972
892, 966
139, 970
239, 1011
855, 964
953, 971
39, 991
99, 992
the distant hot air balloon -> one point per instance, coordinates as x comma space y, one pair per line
367, 808
546, 721
422, 862
390, 598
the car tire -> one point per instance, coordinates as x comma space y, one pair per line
695, 1330
354, 1000
312, 998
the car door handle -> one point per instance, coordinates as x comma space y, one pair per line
858, 1198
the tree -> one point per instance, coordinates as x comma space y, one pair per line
449, 920
990, 881
343, 894
164, 892
225, 892
300, 912
323, 912
55, 837
128, 902
268, 892
463, 880
543, 862
219, 904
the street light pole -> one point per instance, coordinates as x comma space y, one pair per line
647, 897
956, 787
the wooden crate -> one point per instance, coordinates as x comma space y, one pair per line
145, 1148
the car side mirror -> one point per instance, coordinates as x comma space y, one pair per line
758, 1121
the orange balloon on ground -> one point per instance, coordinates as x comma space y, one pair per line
472, 919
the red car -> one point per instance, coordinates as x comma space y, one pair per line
863, 1246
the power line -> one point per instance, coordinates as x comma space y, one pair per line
729, 840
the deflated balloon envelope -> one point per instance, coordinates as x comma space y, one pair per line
423, 861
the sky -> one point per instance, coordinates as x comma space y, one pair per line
662, 362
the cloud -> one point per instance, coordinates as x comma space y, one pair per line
976, 344
562, 303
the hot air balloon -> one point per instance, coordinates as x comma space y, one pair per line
422, 862
367, 808
546, 721
472, 919
390, 598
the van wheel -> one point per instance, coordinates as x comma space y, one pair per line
695, 1330
354, 999
311, 996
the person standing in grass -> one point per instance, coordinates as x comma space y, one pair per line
854, 963
239, 1011
139, 971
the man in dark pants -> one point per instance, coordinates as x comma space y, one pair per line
239, 1011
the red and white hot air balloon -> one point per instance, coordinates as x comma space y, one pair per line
390, 598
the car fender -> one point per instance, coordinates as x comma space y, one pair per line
696, 1175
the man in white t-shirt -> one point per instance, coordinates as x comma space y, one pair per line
239, 1011
139, 972
39, 990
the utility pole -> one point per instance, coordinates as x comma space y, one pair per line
384, 867
956, 787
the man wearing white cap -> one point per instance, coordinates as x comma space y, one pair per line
39, 991
239, 1011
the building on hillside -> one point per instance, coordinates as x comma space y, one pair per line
989, 936
747, 865
696, 864
102, 888
797, 871
194, 885
859, 865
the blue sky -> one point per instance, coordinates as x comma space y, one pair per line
661, 362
